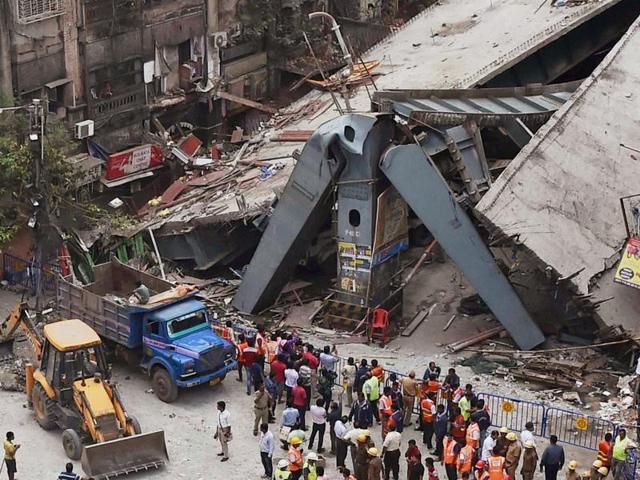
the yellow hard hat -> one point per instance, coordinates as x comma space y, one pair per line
597, 464
296, 441
585, 474
373, 451
511, 437
504, 430
573, 465
529, 444
362, 438
604, 471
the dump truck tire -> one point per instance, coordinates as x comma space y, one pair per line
135, 424
72, 444
163, 386
39, 399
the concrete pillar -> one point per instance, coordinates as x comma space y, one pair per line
72, 50
6, 75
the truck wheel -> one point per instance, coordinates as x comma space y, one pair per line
40, 399
135, 424
72, 444
163, 386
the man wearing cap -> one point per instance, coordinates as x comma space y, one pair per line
282, 472
502, 443
514, 450
309, 471
409, 392
391, 454
619, 456
529, 461
571, 471
362, 457
375, 464
295, 459
594, 469
481, 472
601, 473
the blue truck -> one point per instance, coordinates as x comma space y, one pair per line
171, 337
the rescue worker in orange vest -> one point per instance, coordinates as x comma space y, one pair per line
605, 448
496, 465
427, 416
458, 426
377, 371
432, 386
472, 436
385, 405
481, 472
227, 333
272, 348
465, 459
450, 457
240, 346
261, 347
295, 458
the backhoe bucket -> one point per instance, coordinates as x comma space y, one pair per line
125, 455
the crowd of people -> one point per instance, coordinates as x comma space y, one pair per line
455, 424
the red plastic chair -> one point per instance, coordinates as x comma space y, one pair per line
379, 325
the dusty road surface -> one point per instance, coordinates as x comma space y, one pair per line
189, 426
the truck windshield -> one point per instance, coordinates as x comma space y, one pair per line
187, 323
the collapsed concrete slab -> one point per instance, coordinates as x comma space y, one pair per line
560, 197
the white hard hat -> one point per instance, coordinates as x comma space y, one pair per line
283, 463
312, 456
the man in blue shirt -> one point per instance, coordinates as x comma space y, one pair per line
361, 413
290, 417
68, 473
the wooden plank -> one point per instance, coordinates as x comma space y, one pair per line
246, 102
415, 323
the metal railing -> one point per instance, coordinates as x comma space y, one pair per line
24, 273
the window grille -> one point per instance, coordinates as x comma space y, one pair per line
35, 10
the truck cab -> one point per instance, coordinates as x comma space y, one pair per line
180, 350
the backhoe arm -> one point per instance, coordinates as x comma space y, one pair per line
19, 317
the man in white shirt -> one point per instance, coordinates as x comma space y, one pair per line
266, 450
223, 430
489, 444
391, 453
319, 419
527, 434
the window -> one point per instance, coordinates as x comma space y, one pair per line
153, 328
35, 10
187, 323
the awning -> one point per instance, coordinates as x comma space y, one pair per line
57, 83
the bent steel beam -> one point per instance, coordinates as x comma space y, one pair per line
303, 207
422, 186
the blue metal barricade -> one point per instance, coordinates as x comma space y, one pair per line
25, 273
575, 428
514, 413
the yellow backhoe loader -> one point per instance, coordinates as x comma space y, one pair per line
70, 390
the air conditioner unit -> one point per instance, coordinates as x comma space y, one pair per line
220, 39
84, 129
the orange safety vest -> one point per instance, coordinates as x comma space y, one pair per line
272, 346
241, 348
385, 405
458, 427
225, 332
378, 372
496, 467
261, 344
449, 451
471, 429
295, 459
465, 459
426, 406
604, 450
433, 386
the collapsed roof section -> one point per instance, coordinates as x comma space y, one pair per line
561, 194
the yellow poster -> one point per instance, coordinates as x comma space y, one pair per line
628, 272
